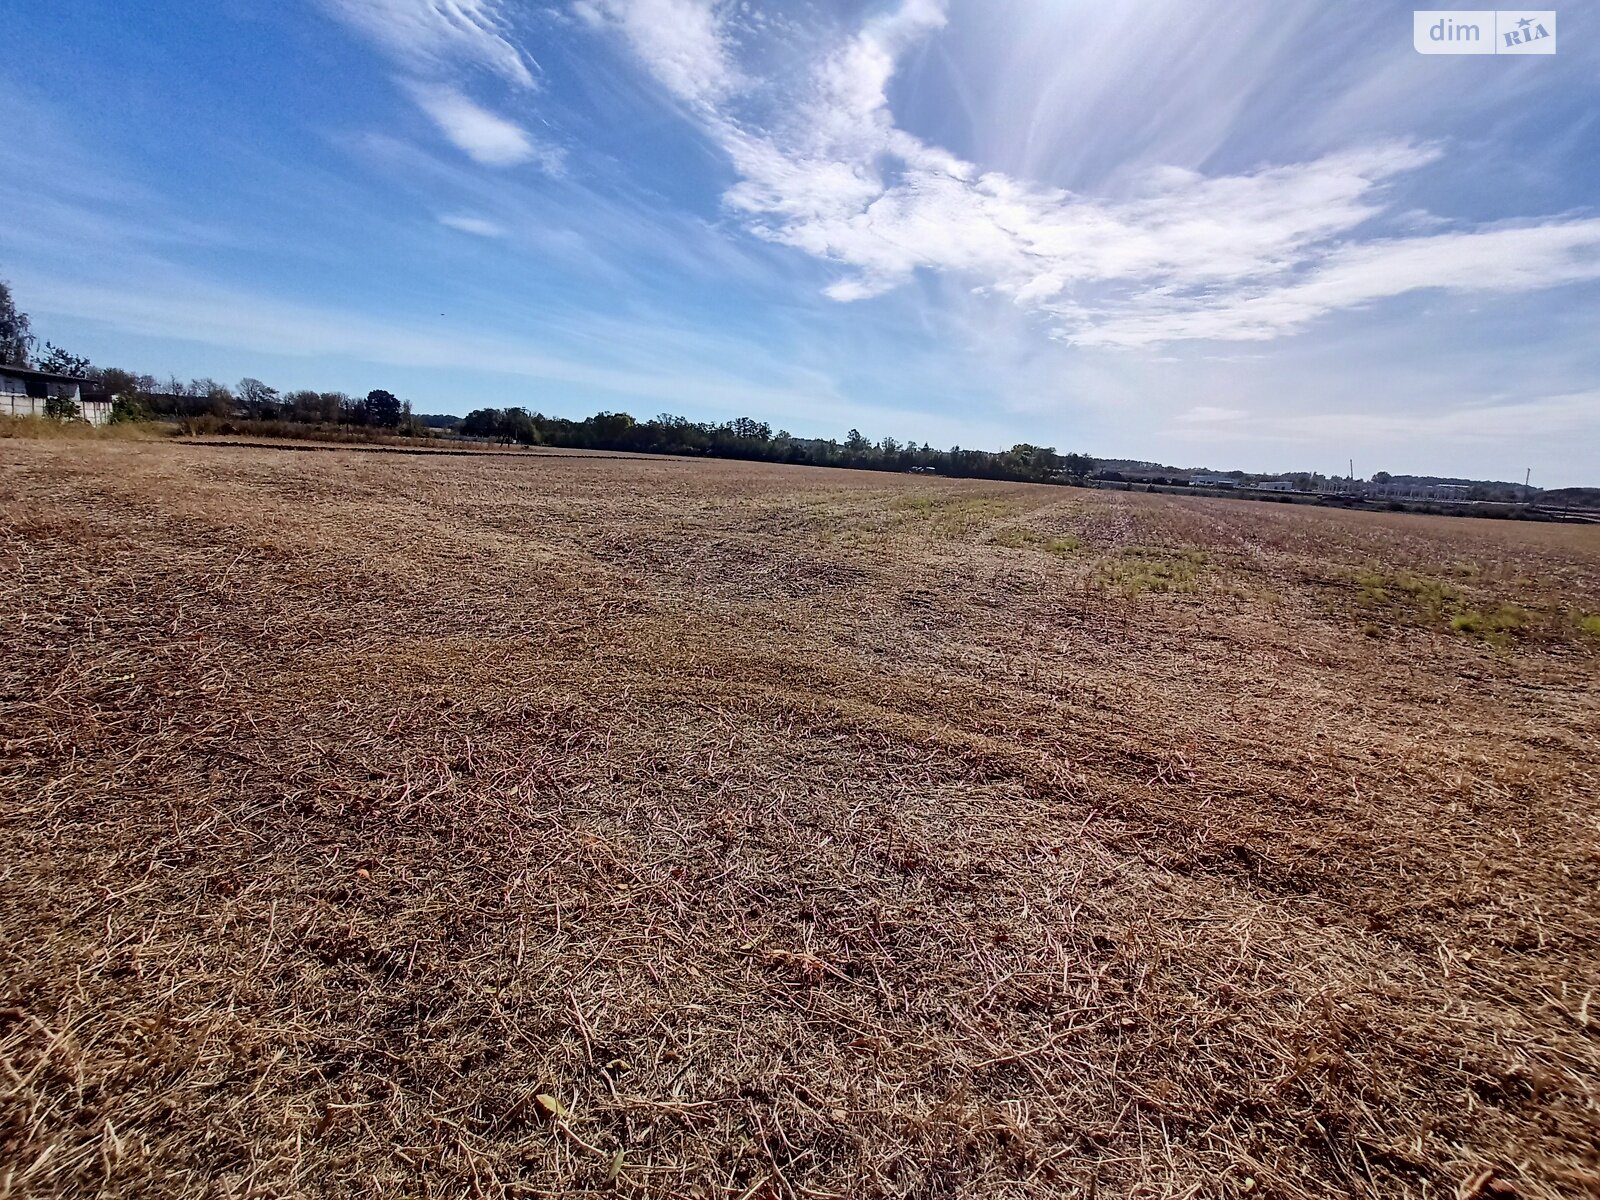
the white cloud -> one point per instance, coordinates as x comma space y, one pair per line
681, 41
486, 137
1482, 423
1212, 414
432, 40
430, 36
1498, 260
1247, 256
474, 225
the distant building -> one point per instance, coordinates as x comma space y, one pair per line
1419, 489
1273, 485
1214, 481
24, 393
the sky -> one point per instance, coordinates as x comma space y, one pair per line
1268, 236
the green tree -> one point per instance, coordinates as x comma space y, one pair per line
517, 425
64, 362
61, 408
383, 408
116, 381
130, 394
126, 408
16, 334
611, 429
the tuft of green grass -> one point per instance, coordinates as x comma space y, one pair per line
1430, 599
1407, 598
1063, 546
1187, 554
956, 516
1017, 537
1497, 625
1142, 569
1590, 624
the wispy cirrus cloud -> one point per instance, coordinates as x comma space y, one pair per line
482, 135
432, 41
824, 168
1212, 414
1245, 256
1519, 259
432, 37
681, 41
477, 226
1486, 422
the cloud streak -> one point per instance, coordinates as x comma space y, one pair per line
1247, 256
682, 42
480, 134
478, 226
1499, 260
432, 40
431, 37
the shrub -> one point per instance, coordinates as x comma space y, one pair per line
61, 408
126, 409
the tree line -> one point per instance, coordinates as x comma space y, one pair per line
253, 400
748, 438
138, 396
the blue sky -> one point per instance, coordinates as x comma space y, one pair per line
1264, 235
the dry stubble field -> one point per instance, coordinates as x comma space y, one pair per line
380, 824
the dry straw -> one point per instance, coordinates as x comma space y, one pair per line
391, 825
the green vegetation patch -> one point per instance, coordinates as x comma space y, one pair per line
1430, 599
1017, 537
1063, 546
1498, 627
1139, 569
955, 516
1409, 598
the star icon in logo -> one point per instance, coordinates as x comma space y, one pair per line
1524, 23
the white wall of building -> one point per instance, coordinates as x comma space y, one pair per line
15, 400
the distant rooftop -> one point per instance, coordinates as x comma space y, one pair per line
30, 373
